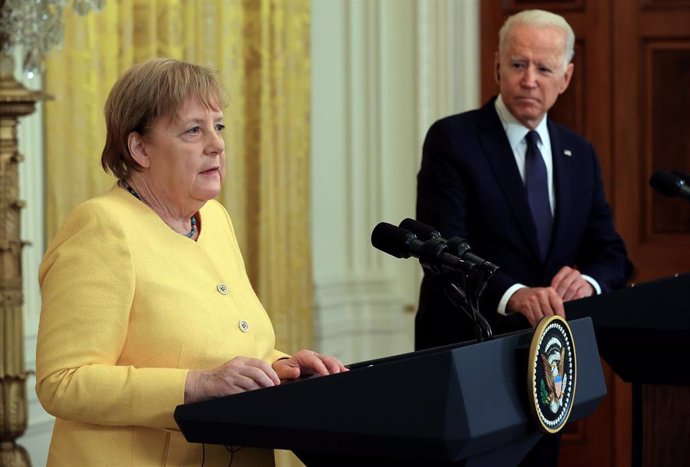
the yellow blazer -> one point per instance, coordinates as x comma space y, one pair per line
129, 306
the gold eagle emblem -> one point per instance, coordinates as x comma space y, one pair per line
554, 376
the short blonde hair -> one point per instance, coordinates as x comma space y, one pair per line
148, 91
540, 18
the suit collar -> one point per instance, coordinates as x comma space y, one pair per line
514, 129
499, 154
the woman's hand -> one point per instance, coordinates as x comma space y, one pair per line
305, 363
238, 375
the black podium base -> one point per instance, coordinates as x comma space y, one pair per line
506, 456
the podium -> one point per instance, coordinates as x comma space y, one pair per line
643, 333
458, 405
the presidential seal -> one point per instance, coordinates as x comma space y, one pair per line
552, 372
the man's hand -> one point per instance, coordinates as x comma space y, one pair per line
570, 285
536, 302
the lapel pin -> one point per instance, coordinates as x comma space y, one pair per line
567, 152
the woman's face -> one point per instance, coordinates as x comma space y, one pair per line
186, 154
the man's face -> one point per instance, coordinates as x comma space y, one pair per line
530, 71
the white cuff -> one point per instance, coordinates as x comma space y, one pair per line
503, 303
593, 283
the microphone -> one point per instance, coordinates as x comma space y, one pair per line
402, 243
470, 273
456, 245
669, 184
394, 240
422, 231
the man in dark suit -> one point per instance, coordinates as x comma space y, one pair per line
525, 192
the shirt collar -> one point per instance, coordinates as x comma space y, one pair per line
516, 131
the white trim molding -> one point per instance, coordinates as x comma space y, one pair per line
382, 72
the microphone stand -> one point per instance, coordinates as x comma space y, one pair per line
482, 328
464, 284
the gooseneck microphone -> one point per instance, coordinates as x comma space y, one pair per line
434, 252
456, 245
402, 243
465, 274
422, 231
394, 240
669, 184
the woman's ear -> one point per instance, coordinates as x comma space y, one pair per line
137, 149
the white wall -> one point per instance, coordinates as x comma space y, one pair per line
382, 72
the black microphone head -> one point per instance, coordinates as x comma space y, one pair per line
458, 246
422, 231
666, 183
392, 239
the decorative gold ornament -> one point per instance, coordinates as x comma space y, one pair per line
15, 101
32, 28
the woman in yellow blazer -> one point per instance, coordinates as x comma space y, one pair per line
146, 302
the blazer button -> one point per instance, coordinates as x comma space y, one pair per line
244, 326
222, 288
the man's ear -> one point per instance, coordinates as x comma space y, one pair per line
566, 78
137, 149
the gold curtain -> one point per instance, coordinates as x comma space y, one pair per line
261, 49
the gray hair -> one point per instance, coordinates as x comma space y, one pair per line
540, 18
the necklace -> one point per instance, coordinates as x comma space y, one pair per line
192, 231
133, 192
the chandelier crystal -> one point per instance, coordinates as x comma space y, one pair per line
35, 26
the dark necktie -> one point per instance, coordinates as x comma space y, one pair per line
537, 184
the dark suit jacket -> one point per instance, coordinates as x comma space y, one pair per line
469, 186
